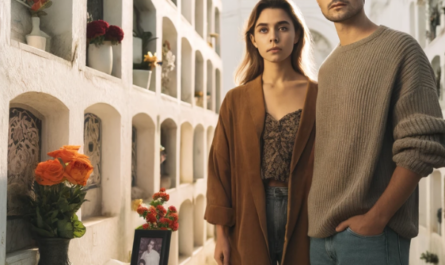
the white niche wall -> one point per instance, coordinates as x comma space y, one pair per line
198, 239
199, 80
199, 17
210, 87
185, 231
186, 149
187, 10
57, 25
435, 201
168, 141
145, 153
26, 141
105, 198
218, 90
198, 152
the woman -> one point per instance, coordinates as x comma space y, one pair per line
261, 159
151, 256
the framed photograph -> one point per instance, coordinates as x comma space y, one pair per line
151, 247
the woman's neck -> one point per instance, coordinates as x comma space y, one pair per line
279, 73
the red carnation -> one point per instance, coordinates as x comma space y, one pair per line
161, 210
141, 209
96, 29
172, 209
174, 226
174, 216
146, 226
162, 189
114, 34
163, 228
151, 218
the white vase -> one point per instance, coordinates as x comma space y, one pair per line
137, 50
100, 57
36, 38
142, 78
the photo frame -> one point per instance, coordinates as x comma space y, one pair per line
151, 247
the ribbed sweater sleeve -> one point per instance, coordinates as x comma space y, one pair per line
419, 128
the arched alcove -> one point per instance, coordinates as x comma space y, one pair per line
186, 149
186, 71
209, 19
199, 80
198, 152
102, 138
423, 202
143, 156
185, 231
199, 17
186, 10
38, 124
144, 20
218, 90
436, 202
421, 22
199, 222
218, 31
169, 39
210, 86
168, 142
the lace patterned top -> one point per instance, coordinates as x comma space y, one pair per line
278, 144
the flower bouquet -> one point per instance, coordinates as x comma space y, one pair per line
36, 7
142, 72
58, 193
156, 216
168, 65
101, 36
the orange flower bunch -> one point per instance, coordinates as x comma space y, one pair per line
67, 164
156, 216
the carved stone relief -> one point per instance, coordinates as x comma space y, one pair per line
93, 146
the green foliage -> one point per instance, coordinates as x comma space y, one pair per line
52, 210
430, 258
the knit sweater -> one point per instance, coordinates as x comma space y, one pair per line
377, 108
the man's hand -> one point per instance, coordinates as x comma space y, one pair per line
365, 225
222, 248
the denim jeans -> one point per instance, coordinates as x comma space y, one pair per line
350, 248
276, 214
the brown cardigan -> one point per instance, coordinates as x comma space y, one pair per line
235, 191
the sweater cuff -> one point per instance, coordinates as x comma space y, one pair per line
416, 165
219, 215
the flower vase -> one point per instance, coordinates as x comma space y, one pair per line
142, 78
53, 251
100, 57
36, 38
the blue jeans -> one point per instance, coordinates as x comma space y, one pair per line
276, 215
350, 248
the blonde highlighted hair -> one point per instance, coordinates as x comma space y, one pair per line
252, 64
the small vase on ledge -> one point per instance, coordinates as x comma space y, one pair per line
36, 38
100, 57
53, 251
142, 78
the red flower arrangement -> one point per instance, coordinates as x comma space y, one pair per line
156, 216
99, 31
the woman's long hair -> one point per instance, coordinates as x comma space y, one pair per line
253, 64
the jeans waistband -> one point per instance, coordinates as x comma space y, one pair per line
276, 191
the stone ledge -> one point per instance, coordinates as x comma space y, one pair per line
23, 257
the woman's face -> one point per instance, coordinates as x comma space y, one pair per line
274, 35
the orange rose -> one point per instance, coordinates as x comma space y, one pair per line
67, 153
49, 173
78, 171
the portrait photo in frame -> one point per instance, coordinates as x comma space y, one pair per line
151, 247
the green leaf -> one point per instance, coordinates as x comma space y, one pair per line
42, 232
65, 228
41, 14
47, 4
79, 228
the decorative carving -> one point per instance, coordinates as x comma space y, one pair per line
24, 143
93, 146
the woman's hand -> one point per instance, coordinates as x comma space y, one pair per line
222, 249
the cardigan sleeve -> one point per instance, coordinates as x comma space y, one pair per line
219, 209
419, 127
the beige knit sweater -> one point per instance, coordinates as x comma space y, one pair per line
377, 108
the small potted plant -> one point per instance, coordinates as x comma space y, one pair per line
141, 39
142, 75
152, 239
101, 36
36, 37
58, 192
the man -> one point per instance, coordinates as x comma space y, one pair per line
379, 130
151, 256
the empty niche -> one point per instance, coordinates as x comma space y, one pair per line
53, 29
142, 157
421, 23
210, 86
209, 20
102, 145
218, 32
198, 222
438, 75
199, 17
210, 133
144, 27
198, 152
436, 202
38, 124
423, 202
186, 71
186, 149
168, 154
185, 237
218, 89
169, 55
111, 12
186, 10
199, 80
